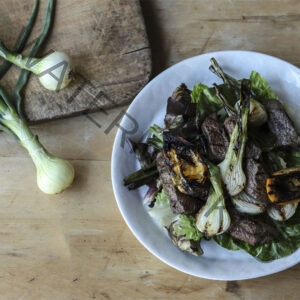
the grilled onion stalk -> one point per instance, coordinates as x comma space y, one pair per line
244, 203
232, 166
282, 212
213, 218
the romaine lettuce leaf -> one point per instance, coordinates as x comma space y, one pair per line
261, 87
183, 225
293, 158
206, 99
161, 210
186, 226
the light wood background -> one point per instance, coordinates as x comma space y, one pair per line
76, 245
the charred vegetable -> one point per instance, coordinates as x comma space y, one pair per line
188, 170
185, 235
244, 203
257, 113
232, 166
284, 186
282, 212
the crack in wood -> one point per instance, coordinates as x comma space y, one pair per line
265, 18
136, 50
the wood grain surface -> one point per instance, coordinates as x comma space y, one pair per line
107, 42
76, 245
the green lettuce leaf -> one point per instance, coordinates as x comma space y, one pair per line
186, 226
206, 99
293, 158
183, 225
261, 87
161, 210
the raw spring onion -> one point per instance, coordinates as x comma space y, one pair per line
53, 174
55, 71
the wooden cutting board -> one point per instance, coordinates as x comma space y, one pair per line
107, 41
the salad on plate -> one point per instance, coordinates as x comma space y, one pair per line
225, 166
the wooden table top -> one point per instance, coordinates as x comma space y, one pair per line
76, 245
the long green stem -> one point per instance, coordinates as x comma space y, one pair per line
19, 60
23, 78
22, 38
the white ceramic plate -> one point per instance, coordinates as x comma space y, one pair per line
149, 108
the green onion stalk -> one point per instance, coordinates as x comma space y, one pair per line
231, 167
213, 218
55, 70
20, 44
53, 174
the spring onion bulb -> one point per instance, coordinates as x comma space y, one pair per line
213, 218
231, 167
55, 70
244, 203
53, 174
282, 212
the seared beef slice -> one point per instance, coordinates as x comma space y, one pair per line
179, 202
216, 137
256, 180
250, 230
281, 125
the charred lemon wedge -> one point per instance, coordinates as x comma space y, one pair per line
189, 172
283, 186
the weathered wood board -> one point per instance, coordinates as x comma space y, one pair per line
108, 44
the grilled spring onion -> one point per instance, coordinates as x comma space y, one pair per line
213, 218
244, 203
232, 166
282, 212
257, 112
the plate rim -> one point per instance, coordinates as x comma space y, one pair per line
114, 163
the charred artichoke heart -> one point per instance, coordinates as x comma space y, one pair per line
284, 186
188, 171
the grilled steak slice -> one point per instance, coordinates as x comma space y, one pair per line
217, 138
248, 229
281, 125
179, 202
256, 180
